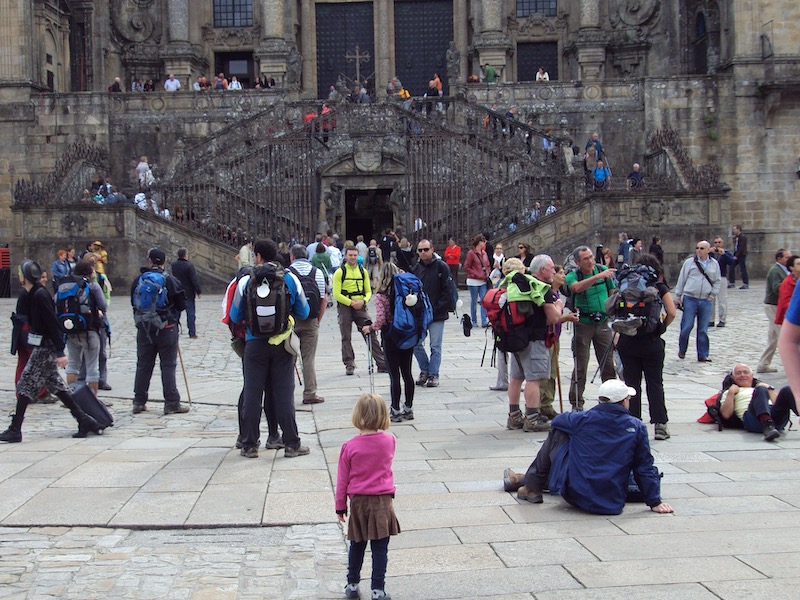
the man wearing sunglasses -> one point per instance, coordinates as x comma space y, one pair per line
698, 285
439, 285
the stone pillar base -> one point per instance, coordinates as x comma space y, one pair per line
183, 60
272, 57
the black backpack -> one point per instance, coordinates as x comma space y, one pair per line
268, 301
310, 289
635, 306
372, 255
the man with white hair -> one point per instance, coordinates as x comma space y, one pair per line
634, 179
698, 285
588, 458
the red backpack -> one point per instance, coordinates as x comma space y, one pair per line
509, 323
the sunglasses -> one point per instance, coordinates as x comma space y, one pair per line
423, 249
700, 248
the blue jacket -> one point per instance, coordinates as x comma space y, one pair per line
238, 310
725, 260
592, 470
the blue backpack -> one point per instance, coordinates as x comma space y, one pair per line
409, 323
150, 300
75, 306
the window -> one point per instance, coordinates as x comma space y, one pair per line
233, 13
548, 8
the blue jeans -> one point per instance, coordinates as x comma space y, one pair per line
191, 317
431, 365
476, 293
695, 308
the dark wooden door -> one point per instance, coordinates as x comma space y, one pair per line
423, 30
340, 27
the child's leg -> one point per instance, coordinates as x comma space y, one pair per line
355, 558
380, 557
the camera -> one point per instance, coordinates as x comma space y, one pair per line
596, 317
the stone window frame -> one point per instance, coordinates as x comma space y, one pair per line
233, 13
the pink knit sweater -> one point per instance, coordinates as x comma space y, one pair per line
365, 467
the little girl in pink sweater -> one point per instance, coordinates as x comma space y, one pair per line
365, 476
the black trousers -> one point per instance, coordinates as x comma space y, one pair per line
538, 473
398, 362
149, 345
268, 374
645, 359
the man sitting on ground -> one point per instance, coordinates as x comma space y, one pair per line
750, 404
588, 458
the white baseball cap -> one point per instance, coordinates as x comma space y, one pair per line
613, 391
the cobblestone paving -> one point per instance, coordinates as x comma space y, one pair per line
163, 507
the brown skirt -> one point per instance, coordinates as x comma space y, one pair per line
371, 518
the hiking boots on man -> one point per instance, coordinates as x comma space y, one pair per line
662, 433
433, 381
515, 420
175, 409
532, 496
548, 412
138, 407
422, 379
512, 481
251, 452
274, 443
770, 433
299, 451
536, 422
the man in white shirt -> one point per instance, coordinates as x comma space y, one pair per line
172, 84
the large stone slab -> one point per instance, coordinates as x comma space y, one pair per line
447, 560
170, 508
72, 506
681, 591
227, 505
543, 552
93, 474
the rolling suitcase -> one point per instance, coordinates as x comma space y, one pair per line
89, 404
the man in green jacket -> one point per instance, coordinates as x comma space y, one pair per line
776, 274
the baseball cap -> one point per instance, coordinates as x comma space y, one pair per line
157, 256
613, 391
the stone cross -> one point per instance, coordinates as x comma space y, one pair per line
358, 57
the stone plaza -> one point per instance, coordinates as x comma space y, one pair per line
164, 507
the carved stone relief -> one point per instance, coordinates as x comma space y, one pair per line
134, 21
232, 37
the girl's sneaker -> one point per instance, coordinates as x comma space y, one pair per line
396, 416
408, 413
351, 590
380, 595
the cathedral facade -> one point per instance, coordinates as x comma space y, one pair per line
723, 74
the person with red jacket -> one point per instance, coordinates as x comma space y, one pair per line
452, 256
477, 267
786, 288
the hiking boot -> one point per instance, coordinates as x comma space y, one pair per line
766, 370
532, 496
548, 412
396, 416
139, 407
293, 452
662, 433
770, 433
577, 407
423, 379
86, 425
408, 413
744, 287
238, 444
104, 386
314, 400
433, 381
351, 591
274, 442
251, 452
511, 481
536, 422
12, 435
349, 370
515, 420
499, 388
174, 409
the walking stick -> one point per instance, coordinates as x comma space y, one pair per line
368, 339
185, 379
603, 360
558, 378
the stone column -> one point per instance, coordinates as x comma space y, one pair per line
273, 50
178, 54
591, 42
16, 64
383, 26
308, 40
493, 46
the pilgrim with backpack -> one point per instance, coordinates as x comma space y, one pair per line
80, 306
157, 299
635, 309
403, 313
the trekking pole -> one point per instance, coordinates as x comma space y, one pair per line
603, 360
185, 379
368, 339
558, 378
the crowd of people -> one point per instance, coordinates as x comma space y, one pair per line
276, 302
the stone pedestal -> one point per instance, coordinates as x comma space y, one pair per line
272, 53
493, 46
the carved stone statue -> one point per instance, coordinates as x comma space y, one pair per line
453, 63
398, 202
294, 68
333, 206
